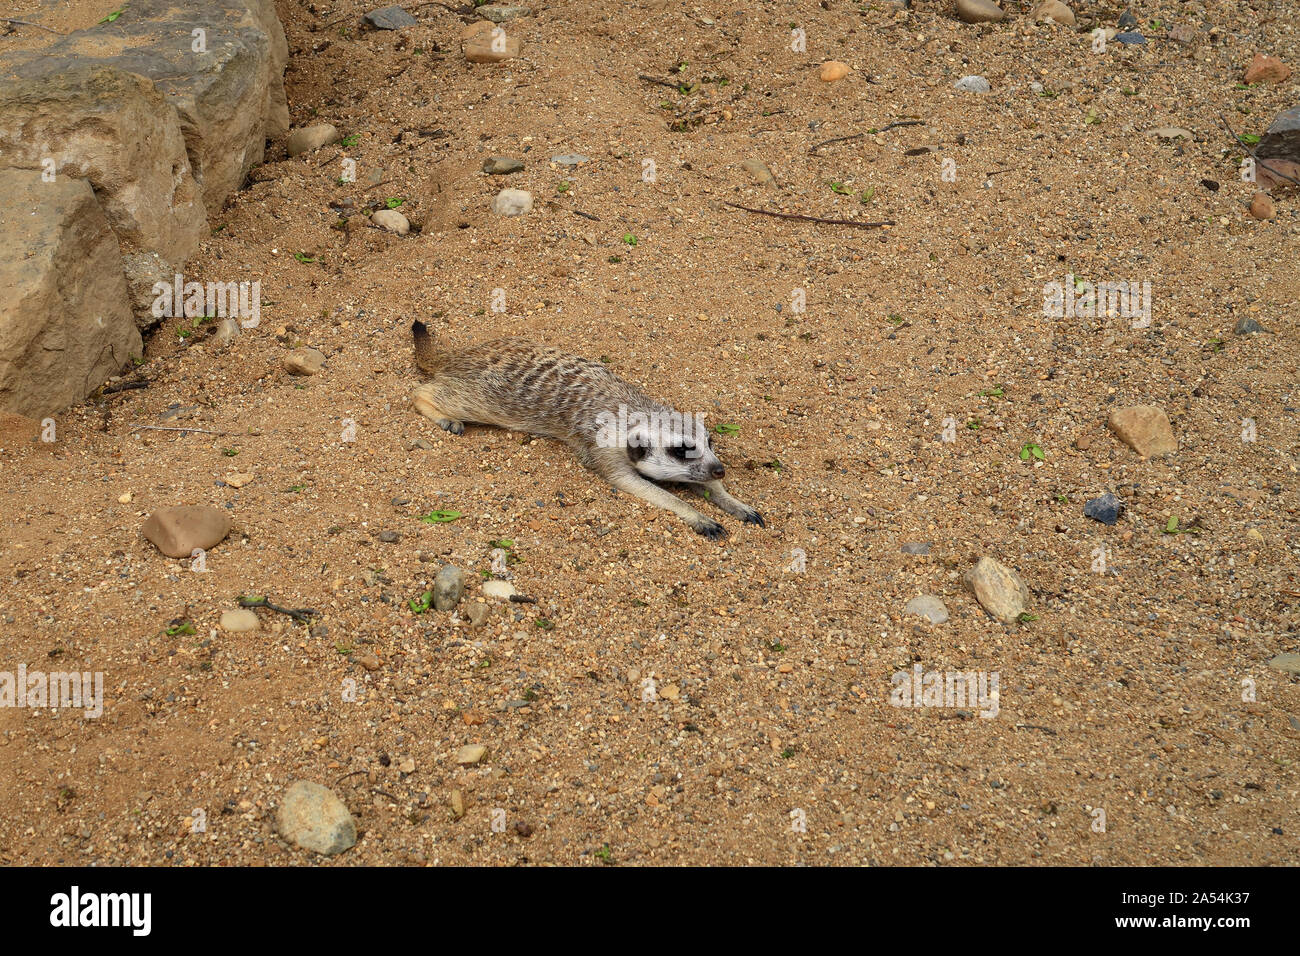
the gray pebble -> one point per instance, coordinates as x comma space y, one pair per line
972, 84
315, 819
448, 587
929, 607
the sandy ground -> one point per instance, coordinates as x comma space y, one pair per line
1121, 737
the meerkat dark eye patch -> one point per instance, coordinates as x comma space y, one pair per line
676, 452
636, 451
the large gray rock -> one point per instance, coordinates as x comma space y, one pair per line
229, 97
116, 130
315, 819
277, 102
64, 321
1288, 663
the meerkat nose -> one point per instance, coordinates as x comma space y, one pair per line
717, 471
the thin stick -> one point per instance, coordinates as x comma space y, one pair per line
585, 215
883, 129
1246, 147
656, 80
377, 185
166, 428
833, 222
28, 23
300, 614
837, 139
1046, 730
886, 129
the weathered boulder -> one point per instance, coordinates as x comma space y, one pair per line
277, 103
116, 130
219, 64
65, 325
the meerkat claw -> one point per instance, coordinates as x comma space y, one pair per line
711, 530
755, 518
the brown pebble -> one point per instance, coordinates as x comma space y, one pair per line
833, 70
1262, 206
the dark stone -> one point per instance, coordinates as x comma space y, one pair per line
1133, 39
1105, 509
1282, 138
390, 18
1246, 326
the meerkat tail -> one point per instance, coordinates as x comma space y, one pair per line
427, 359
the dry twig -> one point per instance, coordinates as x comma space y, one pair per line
856, 223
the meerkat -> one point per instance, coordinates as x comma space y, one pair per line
614, 428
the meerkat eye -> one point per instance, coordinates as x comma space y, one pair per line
677, 452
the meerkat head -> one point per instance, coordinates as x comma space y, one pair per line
674, 447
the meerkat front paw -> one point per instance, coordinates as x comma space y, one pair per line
450, 425
753, 517
710, 529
